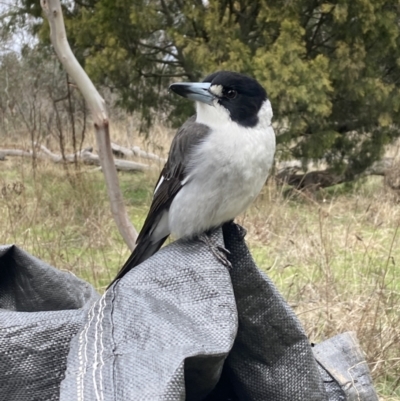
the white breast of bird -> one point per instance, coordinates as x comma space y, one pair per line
226, 173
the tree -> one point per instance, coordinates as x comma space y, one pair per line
330, 67
53, 11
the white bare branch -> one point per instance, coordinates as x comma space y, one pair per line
96, 104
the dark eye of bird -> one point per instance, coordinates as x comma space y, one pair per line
231, 94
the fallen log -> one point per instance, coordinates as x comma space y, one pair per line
119, 151
313, 180
22, 153
291, 174
86, 156
59, 158
120, 164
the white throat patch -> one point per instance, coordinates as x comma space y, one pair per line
212, 116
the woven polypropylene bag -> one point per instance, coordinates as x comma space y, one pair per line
41, 309
164, 332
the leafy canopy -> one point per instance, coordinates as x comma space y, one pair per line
331, 68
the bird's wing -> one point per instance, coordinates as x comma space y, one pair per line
174, 172
169, 183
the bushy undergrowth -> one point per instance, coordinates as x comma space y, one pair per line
334, 256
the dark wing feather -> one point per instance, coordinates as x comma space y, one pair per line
173, 173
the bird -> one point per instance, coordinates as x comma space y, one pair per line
218, 162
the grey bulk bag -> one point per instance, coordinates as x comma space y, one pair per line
180, 326
41, 309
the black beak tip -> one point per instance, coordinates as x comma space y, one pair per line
177, 88
197, 91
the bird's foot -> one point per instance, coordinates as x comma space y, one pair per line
219, 252
242, 231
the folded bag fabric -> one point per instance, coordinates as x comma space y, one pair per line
180, 326
41, 309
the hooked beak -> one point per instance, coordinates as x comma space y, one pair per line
197, 91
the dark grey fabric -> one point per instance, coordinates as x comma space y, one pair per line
272, 357
343, 358
180, 326
333, 389
41, 309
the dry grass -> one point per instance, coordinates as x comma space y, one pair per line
334, 257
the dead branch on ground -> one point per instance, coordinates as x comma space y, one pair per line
119, 150
314, 180
85, 156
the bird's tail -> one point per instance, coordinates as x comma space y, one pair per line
144, 249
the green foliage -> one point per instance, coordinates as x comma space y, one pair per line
331, 68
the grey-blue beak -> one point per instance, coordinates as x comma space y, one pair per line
197, 91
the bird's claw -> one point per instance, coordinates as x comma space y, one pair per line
221, 254
242, 231
218, 251
223, 249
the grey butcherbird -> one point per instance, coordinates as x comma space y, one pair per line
217, 164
